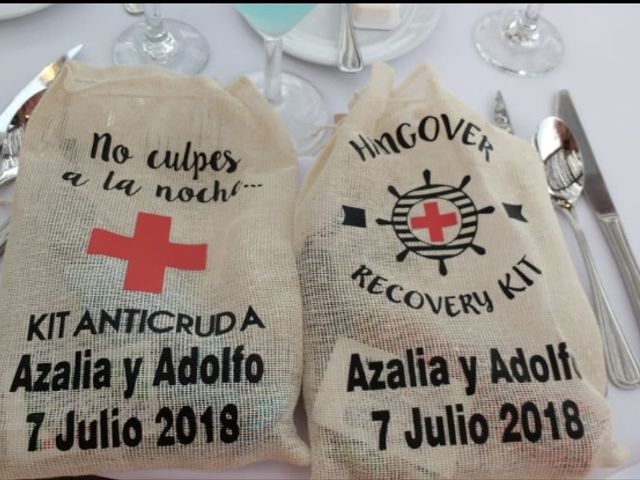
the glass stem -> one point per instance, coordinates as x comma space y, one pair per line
154, 30
531, 15
523, 30
273, 69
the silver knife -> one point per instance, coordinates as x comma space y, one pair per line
598, 195
39, 83
500, 114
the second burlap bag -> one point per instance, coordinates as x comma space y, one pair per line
446, 334
150, 306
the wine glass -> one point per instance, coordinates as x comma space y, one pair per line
296, 101
519, 41
160, 41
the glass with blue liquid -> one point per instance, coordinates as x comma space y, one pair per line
296, 101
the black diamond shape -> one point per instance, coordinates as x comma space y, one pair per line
514, 211
354, 217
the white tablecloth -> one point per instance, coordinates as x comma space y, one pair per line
601, 69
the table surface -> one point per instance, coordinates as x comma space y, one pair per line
600, 68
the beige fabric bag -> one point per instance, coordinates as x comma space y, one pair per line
446, 333
150, 302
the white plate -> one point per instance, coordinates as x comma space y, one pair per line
13, 10
315, 39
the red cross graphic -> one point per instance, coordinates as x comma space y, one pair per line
148, 253
434, 221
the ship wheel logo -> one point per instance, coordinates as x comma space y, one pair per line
434, 221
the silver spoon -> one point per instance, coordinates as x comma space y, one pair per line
565, 179
349, 57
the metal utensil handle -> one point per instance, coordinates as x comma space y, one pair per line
622, 367
612, 228
133, 8
4, 234
349, 57
8, 176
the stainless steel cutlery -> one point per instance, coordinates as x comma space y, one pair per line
566, 178
13, 121
596, 191
349, 56
563, 166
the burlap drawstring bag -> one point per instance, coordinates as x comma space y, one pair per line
446, 334
150, 303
